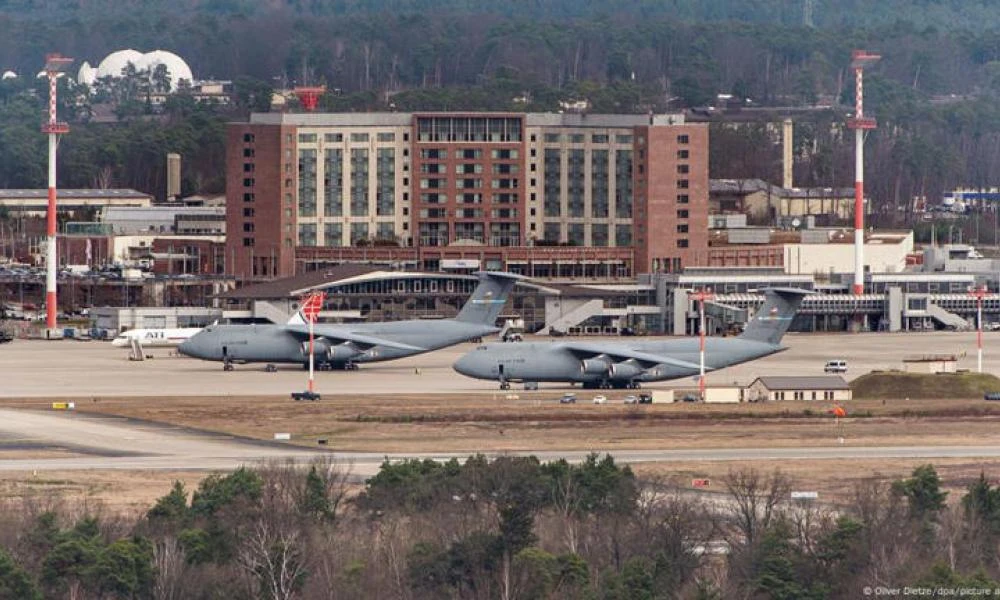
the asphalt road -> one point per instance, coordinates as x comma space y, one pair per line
66, 369
115, 443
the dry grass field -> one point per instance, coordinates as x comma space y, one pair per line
490, 422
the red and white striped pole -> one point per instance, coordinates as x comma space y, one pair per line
701, 296
859, 188
859, 123
979, 294
54, 65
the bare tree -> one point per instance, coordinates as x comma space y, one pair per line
755, 500
273, 556
168, 559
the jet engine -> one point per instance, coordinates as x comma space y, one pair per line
342, 352
599, 365
626, 370
324, 350
320, 347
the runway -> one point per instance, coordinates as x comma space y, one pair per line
68, 369
120, 444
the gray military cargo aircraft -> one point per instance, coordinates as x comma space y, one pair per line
628, 364
343, 346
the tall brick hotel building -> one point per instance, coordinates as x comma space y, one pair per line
542, 194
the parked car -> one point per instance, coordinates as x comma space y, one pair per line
600, 399
630, 399
835, 366
992, 396
568, 399
645, 398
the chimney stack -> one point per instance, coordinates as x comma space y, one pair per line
173, 176
786, 155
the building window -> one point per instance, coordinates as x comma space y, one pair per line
553, 138
359, 137
248, 212
682, 184
683, 169
433, 153
248, 138
682, 243
249, 197
386, 137
307, 234
248, 228
333, 137
683, 139
249, 152
682, 154
504, 153
682, 214
248, 242
248, 167
683, 199
576, 138
598, 138
682, 228
307, 138
248, 182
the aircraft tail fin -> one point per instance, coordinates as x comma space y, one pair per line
771, 322
488, 298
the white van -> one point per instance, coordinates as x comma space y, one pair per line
835, 366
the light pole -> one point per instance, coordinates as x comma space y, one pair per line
55, 64
311, 305
979, 293
701, 296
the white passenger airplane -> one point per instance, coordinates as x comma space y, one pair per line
155, 338
168, 338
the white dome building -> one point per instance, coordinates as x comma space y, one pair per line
114, 63
176, 66
8, 75
87, 74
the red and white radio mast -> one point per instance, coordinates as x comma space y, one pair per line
859, 123
55, 64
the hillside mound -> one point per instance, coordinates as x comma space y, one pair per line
898, 385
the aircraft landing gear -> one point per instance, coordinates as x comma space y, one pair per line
350, 366
270, 368
504, 384
227, 365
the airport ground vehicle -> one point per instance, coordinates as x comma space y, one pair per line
600, 399
630, 399
835, 366
568, 398
991, 396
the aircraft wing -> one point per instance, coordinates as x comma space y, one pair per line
619, 353
337, 334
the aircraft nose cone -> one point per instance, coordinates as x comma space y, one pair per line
465, 365
189, 347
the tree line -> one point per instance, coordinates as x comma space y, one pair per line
511, 528
932, 92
